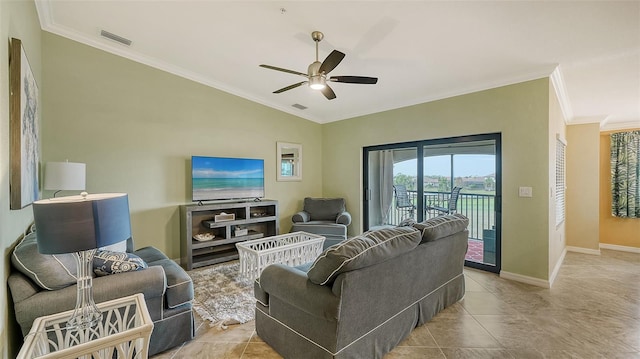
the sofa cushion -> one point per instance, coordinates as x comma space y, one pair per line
50, 272
442, 226
362, 251
108, 262
324, 209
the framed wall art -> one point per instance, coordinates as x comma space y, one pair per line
24, 145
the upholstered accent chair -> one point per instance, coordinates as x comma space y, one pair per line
327, 217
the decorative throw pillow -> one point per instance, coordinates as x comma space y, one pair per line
442, 226
50, 272
362, 251
107, 262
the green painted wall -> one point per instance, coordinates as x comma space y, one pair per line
520, 112
18, 19
136, 128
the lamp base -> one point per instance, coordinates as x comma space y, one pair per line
86, 314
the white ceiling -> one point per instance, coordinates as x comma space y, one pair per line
419, 50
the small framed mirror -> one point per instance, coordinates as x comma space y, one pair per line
289, 160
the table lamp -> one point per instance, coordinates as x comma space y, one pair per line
80, 225
64, 176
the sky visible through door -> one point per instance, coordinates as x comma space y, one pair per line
465, 165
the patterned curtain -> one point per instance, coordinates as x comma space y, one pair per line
625, 174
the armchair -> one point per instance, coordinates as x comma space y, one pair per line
45, 284
327, 217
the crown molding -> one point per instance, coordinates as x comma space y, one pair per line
608, 124
44, 14
561, 92
512, 80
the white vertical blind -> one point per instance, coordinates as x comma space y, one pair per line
560, 180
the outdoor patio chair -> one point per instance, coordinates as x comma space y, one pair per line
452, 203
403, 203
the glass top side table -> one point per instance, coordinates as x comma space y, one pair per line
124, 333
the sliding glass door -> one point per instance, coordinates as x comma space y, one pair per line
425, 179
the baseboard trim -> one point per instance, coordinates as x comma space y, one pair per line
556, 268
525, 279
595, 252
616, 247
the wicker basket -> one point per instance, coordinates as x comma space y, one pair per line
291, 249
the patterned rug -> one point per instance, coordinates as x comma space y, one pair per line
222, 296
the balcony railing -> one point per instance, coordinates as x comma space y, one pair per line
479, 208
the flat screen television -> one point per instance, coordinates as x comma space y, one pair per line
217, 178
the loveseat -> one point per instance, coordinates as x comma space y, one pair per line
327, 217
362, 297
45, 284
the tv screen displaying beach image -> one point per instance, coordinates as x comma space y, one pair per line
226, 178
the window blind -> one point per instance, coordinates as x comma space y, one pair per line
560, 181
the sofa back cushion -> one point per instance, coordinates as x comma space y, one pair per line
324, 209
50, 272
441, 226
362, 251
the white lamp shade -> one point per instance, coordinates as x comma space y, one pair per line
64, 176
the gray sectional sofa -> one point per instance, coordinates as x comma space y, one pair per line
44, 284
362, 297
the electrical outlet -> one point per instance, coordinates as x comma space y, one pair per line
525, 192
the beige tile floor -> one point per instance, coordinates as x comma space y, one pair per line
592, 311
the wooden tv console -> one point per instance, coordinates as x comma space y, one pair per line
251, 220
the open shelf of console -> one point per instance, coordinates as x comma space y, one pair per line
228, 223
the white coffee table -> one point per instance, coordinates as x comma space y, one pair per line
126, 329
291, 249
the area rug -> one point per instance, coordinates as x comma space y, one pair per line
222, 296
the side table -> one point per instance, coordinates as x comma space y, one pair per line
124, 333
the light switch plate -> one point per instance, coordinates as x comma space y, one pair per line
525, 192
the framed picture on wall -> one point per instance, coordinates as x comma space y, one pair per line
24, 148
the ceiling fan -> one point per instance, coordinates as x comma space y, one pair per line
317, 72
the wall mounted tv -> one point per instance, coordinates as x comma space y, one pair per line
217, 178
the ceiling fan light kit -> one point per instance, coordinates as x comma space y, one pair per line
317, 72
317, 82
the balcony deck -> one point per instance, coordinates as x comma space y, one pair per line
479, 208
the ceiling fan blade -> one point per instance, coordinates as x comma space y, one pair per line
283, 70
289, 87
354, 79
331, 61
328, 93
